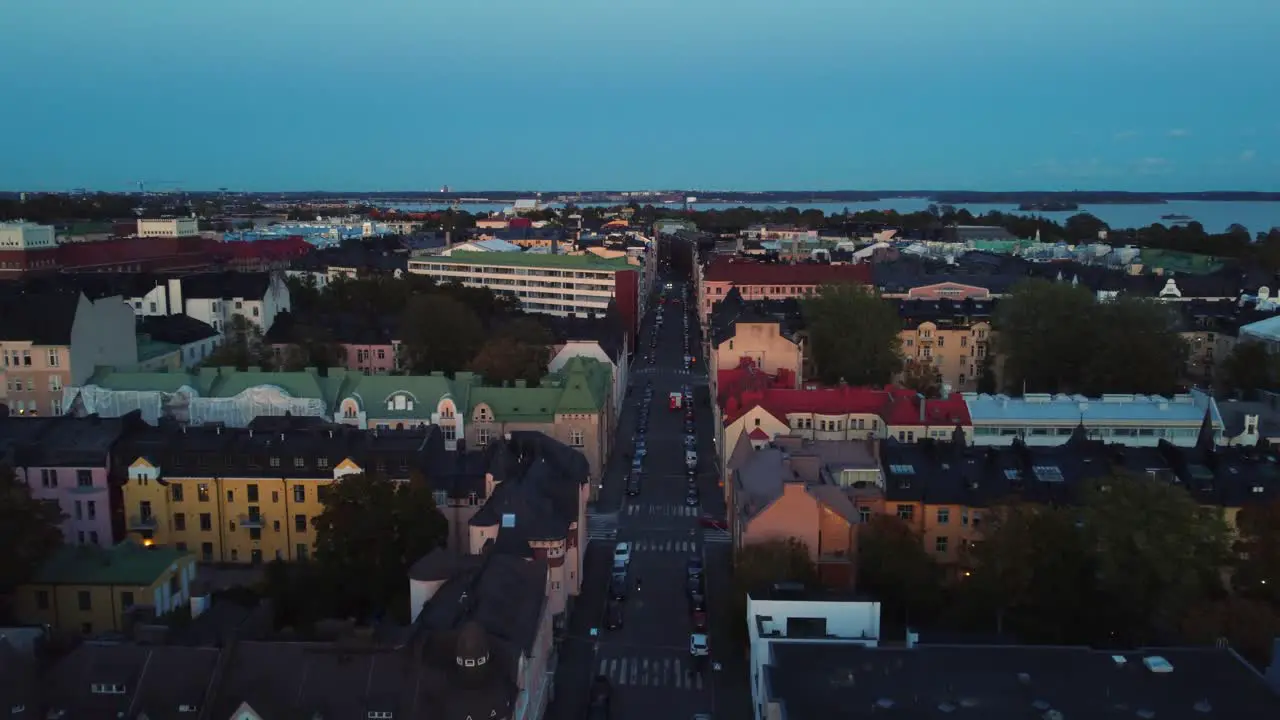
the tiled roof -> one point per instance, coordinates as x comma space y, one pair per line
897, 406
126, 564
747, 272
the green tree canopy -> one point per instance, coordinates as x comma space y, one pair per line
439, 332
894, 567
242, 347
370, 532
520, 350
29, 530
1257, 572
1250, 368
853, 335
1056, 337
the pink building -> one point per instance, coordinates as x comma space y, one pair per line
367, 347
65, 460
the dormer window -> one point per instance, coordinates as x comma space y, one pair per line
274, 461
188, 708
107, 689
378, 715
400, 402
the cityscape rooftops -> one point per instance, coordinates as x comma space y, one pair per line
749, 272
897, 406
59, 441
1070, 409
585, 262
823, 680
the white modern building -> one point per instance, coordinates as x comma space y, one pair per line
1134, 420
553, 284
168, 227
215, 298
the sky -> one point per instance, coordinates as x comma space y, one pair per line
1159, 95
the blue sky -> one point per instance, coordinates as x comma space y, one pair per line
710, 94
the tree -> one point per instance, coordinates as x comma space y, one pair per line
1134, 346
1257, 547
29, 530
439, 332
242, 347
1249, 626
1033, 572
853, 334
757, 566
987, 382
1249, 368
521, 350
894, 567
1156, 552
313, 346
1084, 226
921, 377
370, 532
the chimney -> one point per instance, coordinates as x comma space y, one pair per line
448, 238
922, 406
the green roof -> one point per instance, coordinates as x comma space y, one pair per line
87, 228
526, 259
372, 392
516, 404
585, 384
110, 379
127, 564
149, 349
1179, 261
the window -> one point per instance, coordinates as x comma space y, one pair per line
255, 556
55, 383
235, 555
301, 551
275, 496
252, 490
80, 537
299, 462
944, 516
79, 511
179, 521
902, 469
42, 599
202, 492
483, 436
274, 461
322, 462
206, 522
84, 478
93, 537
940, 544
300, 523
964, 517
576, 438
1048, 473
231, 496
864, 514
977, 519
126, 599
906, 512
176, 492
92, 509
206, 551
84, 600
255, 314
299, 493
26, 358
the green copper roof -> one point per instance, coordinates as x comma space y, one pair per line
126, 564
542, 260
168, 382
372, 392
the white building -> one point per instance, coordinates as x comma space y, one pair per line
1134, 420
26, 236
553, 284
168, 227
215, 298
1266, 331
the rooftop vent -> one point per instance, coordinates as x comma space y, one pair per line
1119, 660
508, 520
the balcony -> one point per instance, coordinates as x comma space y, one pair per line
256, 520
143, 522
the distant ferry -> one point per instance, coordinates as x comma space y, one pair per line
1176, 218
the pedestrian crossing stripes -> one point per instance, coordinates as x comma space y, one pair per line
678, 673
659, 546
663, 510
602, 526
715, 536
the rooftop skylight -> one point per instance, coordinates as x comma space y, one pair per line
902, 469
1048, 473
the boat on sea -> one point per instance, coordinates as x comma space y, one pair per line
1177, 218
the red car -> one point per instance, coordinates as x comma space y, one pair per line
708, 521
699, 621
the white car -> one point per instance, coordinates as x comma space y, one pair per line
622, 554
698, 646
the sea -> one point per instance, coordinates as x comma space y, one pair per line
1215, 216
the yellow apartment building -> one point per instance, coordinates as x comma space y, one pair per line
86, 590
251, 496
951, 335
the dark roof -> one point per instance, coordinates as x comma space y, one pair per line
946, 313
226, 285
820, 680
733, 309
348, 328
607, 330
157, 681
41, 318
64, 441
946, 473
175, 329
18, 688
538, 480
96, 285
1217, 316
211, 451
751, 272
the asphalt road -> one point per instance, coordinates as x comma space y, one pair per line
647, 660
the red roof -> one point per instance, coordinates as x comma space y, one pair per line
130, 250
748, 376
268, 249
520, 222
758, 434
895, 405
750, 272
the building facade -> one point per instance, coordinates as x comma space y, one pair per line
27, 248
168, 227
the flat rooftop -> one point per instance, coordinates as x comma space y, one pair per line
819, 681
524, 259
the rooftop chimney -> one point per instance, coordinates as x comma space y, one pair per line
922, 406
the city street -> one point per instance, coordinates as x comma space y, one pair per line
647, 660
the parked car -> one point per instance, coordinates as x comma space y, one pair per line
622, 554
598, 707
699, 645
618, 586
614, 615
693, 566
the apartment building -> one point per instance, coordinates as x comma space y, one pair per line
54, 340
27, 248
365, 345
545, 283
764, 333
573, 405
85, 591
67, 461
168, 227
952, 336
176, 341
770, 281
1131, 420
246, 495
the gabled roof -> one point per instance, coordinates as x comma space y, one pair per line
127, 564
43, 318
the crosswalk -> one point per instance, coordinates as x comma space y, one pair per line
663, 510
716, 537
665, 672
602, 526
664, 546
